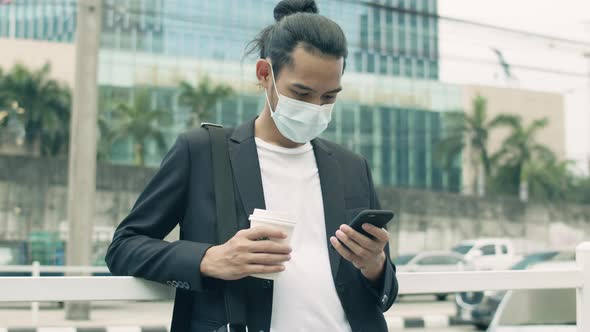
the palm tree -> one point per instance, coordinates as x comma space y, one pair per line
520, 150
469, 132
202, 98
139, 122
550, 179
3, 102
105, 137
45, 105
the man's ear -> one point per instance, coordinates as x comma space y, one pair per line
263, 73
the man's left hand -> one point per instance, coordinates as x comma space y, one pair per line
364, 253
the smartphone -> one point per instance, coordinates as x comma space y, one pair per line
378, 218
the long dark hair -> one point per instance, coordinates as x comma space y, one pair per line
298, 23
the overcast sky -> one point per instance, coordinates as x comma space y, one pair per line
466, 55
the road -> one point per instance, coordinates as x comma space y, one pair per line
108, 314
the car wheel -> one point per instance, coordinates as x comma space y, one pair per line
481, 327
471, 298
441, 297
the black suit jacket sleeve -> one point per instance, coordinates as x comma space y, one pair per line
387, 289
138, 249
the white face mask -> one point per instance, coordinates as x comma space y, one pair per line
297, 120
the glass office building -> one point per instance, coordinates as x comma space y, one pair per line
390, 110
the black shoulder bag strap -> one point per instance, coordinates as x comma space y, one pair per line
227, 222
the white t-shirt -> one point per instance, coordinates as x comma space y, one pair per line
305, 297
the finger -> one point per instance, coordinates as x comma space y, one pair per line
257, 269
267, 259
359, 238
380, 234
343, 251
352, 245
269, 247
259, 232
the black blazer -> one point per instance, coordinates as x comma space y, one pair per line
182, 192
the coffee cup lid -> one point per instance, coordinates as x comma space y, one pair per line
273, 215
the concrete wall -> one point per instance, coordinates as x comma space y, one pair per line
33, 197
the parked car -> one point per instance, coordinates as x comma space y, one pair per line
488, 254
547, 310
13, 253
432, 261
479, 307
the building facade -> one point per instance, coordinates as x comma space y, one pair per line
390, 110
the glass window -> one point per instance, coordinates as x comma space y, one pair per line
425, 44
370, 63
488, 250
504, 249
408, 70
386, 146
3, 21
364, 31
383, 64
419, 148
348, 122
420, 69
229, 117
402, 34
358, 61
389, 31
402, 147
366, 120
250, 108
377, 28
396, 66
414, 39
367, 152
462, 249
433, 69
436, 172
126, 41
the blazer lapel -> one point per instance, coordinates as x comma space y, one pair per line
246, 168
333, 197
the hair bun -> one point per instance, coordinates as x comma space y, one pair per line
288, 7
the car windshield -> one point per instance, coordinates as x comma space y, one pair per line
533, 259
462, 248
403, 259
538, 307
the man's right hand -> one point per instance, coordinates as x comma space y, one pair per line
244, 255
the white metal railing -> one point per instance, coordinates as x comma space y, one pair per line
25, 289
36, 269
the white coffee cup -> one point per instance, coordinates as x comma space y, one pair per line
280, 220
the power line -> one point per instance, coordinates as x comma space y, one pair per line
396, 9
180, 19
473, 23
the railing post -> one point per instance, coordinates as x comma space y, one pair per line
35, 273
583, 293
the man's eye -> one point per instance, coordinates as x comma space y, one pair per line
299, 94
329, 97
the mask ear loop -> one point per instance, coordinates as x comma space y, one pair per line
274, 83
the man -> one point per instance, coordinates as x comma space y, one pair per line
278, 164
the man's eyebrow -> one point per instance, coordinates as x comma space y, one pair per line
306, 88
